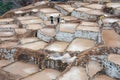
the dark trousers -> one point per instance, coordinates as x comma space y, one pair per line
52, 22
58, 20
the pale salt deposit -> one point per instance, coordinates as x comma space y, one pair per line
75, 73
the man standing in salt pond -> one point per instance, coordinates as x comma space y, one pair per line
51, 19
58, 19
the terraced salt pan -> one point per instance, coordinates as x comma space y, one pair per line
48, 24
34, 26
87, 14
87, 28
27, 18
109, 21
47, 74
68, 27
113, 5
33, 21
110, 38
9, 26
95, 6
69, 18
80, 4
21, 69
95, 12
75, 73
115, 58
4, 63
20, 31
46, 34
81, 13
110, 68
93, 67
87, 32
80, 44
28, 40
65, 31
67, 7
6, 34
90, 24
48, 31
48, 10
83, 9
34, 46
11, 44
64, 8
8, 38
6, 20
103, 77
57, 46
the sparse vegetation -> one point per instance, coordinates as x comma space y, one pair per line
5, 7
11, 4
